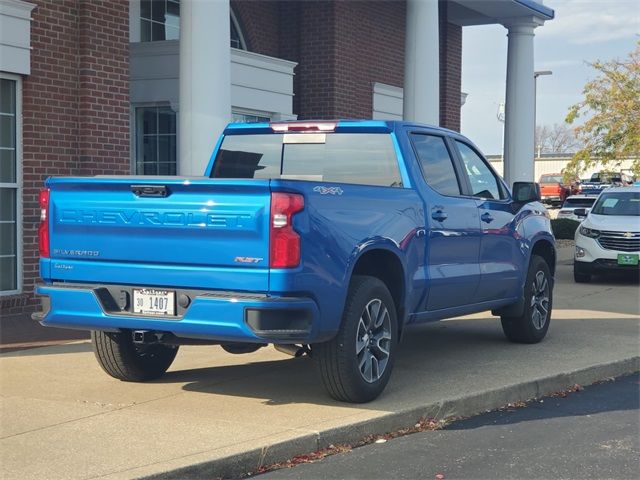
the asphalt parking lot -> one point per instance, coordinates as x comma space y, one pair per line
589, 434
216, 414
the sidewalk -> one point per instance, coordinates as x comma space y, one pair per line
216, 414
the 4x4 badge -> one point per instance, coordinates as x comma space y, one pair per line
322, 190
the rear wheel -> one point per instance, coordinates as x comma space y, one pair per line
355, 366
532, 325
122, 359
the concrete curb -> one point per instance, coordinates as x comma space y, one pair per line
463, 406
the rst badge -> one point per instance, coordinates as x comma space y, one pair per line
247, 260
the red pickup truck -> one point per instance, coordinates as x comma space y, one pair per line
553, 190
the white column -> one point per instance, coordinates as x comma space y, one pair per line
519, 106
205, 80
421, 101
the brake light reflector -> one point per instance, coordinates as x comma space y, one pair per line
43, 228
284, 127
283, 240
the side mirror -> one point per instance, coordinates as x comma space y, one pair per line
580, 212
525, 192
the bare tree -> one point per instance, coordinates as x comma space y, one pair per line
558, 138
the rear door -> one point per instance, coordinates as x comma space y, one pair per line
198, 233
500, 258
453, 226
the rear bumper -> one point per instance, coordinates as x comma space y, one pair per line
212, 315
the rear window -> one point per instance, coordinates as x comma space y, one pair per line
579, 202
358, 158
551, 179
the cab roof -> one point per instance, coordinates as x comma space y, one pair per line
340, 126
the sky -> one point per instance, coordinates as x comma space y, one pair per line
583, 31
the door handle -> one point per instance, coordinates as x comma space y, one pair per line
486, 217
439, 216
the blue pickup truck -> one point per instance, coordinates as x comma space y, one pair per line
324, 238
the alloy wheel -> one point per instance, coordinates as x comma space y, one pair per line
373, 340
540, 300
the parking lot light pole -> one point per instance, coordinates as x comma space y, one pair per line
537, 74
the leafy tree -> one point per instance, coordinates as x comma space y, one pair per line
611, 106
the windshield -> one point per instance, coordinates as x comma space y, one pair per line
618, 203
551, 179
579, 202
357, 158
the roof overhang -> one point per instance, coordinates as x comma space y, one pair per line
504, 12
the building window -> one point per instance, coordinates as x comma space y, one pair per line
160, 20
239, 117
10, 191
156, 145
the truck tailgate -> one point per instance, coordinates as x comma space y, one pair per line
198, 233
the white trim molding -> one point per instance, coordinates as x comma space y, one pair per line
387, 102
258, 82
15, 36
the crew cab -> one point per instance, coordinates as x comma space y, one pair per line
324, 238
600, 181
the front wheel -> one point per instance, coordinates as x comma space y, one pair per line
355, 366
122, 359
532, 325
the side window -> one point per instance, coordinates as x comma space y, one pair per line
435, 161
483, 182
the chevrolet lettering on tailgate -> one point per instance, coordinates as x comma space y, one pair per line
161, 218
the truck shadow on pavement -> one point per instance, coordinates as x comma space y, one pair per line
294, 380
465, 350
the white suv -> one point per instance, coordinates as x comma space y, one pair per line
608, 239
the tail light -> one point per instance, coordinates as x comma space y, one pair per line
43, 228
284, 241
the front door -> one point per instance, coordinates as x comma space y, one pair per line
500, 257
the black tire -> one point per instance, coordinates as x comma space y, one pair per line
531, 327
579, 275
124, 360
338, 359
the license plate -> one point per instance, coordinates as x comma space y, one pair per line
149, 301
628, 258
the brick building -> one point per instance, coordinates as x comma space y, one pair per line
144, 86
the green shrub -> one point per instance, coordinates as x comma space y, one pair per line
564, 228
